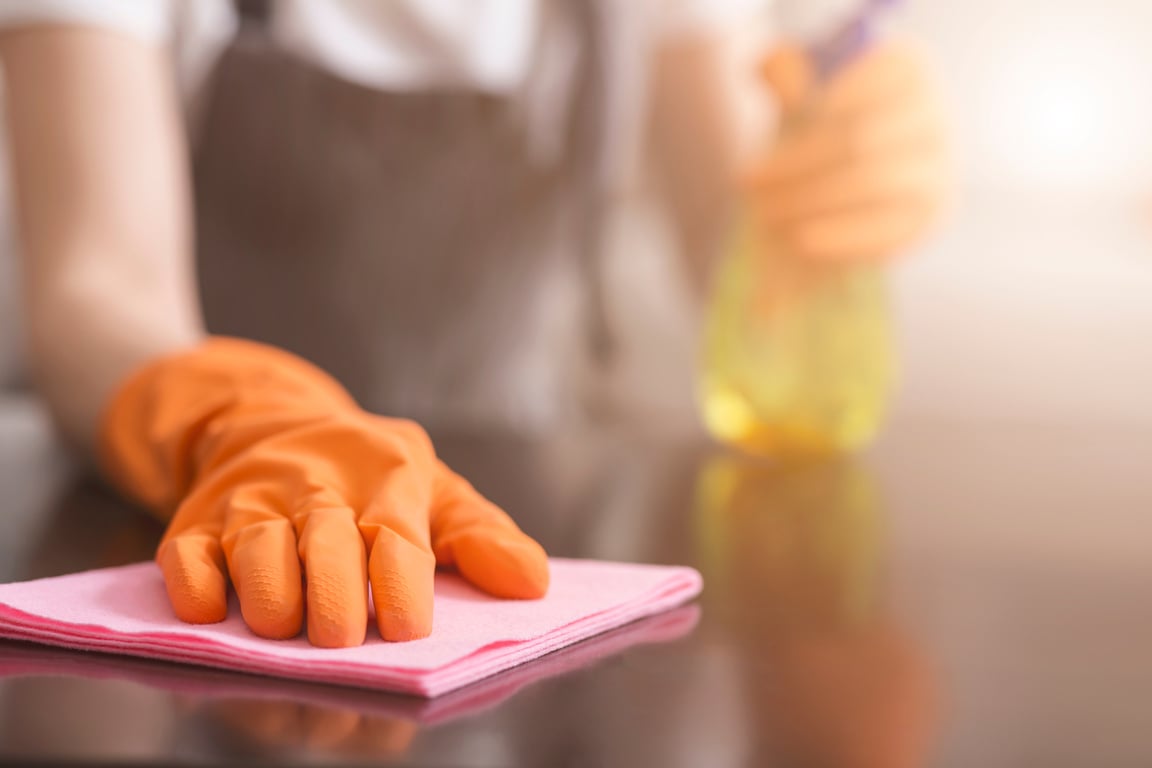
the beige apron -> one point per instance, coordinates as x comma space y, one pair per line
408, 243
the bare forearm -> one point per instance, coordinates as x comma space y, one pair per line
87, 332
102, 210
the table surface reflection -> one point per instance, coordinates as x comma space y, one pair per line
963, 595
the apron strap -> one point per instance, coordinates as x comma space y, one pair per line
254, 12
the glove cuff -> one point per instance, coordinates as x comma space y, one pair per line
181, 412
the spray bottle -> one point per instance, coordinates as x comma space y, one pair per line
798, 356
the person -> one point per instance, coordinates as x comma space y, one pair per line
271, 476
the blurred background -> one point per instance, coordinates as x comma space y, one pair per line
1033, 302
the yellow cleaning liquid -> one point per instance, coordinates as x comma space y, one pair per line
797, 357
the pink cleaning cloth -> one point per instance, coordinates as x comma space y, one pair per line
125, 611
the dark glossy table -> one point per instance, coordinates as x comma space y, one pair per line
965, 595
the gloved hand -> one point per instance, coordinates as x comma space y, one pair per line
858, 172
276, 477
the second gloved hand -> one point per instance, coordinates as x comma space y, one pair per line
859, 169
276, 480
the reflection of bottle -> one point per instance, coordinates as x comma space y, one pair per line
792, 554
797, 356
801, 541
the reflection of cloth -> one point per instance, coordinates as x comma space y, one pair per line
210, 687
125, 610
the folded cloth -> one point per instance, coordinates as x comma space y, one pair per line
126, 611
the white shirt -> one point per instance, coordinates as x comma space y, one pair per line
387, 44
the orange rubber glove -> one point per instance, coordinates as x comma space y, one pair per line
276, 477
859, 170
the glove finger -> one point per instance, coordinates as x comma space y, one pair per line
329, 726
484, 544
335, 576
394, 526
402, 575
260, 546
193, 567
914, 177
383, 736
868, 234
263, 721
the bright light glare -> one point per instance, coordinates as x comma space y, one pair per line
1068, 106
